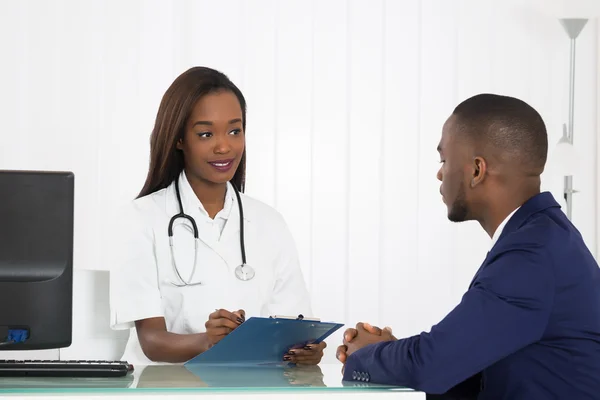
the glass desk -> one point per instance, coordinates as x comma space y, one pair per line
223, 383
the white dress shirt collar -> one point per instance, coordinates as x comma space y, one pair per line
500, 228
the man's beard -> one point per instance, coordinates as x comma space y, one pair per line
459, 211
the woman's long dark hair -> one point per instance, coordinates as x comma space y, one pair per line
166, 161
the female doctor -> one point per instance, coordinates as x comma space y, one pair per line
180, 295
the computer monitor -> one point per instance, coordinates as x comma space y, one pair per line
36, 259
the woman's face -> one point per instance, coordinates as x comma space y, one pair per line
213, 141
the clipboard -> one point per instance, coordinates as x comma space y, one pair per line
263, 341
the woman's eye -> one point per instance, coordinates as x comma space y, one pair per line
205, 134
236, 131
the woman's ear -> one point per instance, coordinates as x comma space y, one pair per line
179, 144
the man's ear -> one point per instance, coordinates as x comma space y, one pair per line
479, 171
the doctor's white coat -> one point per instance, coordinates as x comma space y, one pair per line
142, 274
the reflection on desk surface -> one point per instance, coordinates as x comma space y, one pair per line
274, 376
270, 376
36, 383
199, 377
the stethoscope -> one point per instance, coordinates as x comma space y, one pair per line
243, 272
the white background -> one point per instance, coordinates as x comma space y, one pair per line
346, 100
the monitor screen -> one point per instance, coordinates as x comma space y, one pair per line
36, 259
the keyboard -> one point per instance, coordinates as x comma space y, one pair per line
65, 368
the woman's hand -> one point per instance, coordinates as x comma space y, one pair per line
221, 323
311, 354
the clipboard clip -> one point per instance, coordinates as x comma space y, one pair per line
300, 317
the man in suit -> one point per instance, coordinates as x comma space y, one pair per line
528, 326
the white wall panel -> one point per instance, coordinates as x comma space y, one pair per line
398, 278
259, 87
329, 192
364, 168
212, 35
294, 122
597, 130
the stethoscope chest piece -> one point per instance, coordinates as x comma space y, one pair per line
244, 272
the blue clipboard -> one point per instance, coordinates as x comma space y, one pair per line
262, 341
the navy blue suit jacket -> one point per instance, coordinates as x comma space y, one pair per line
529, 323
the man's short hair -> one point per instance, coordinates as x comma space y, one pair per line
506, 128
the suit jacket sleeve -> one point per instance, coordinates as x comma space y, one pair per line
506, 309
